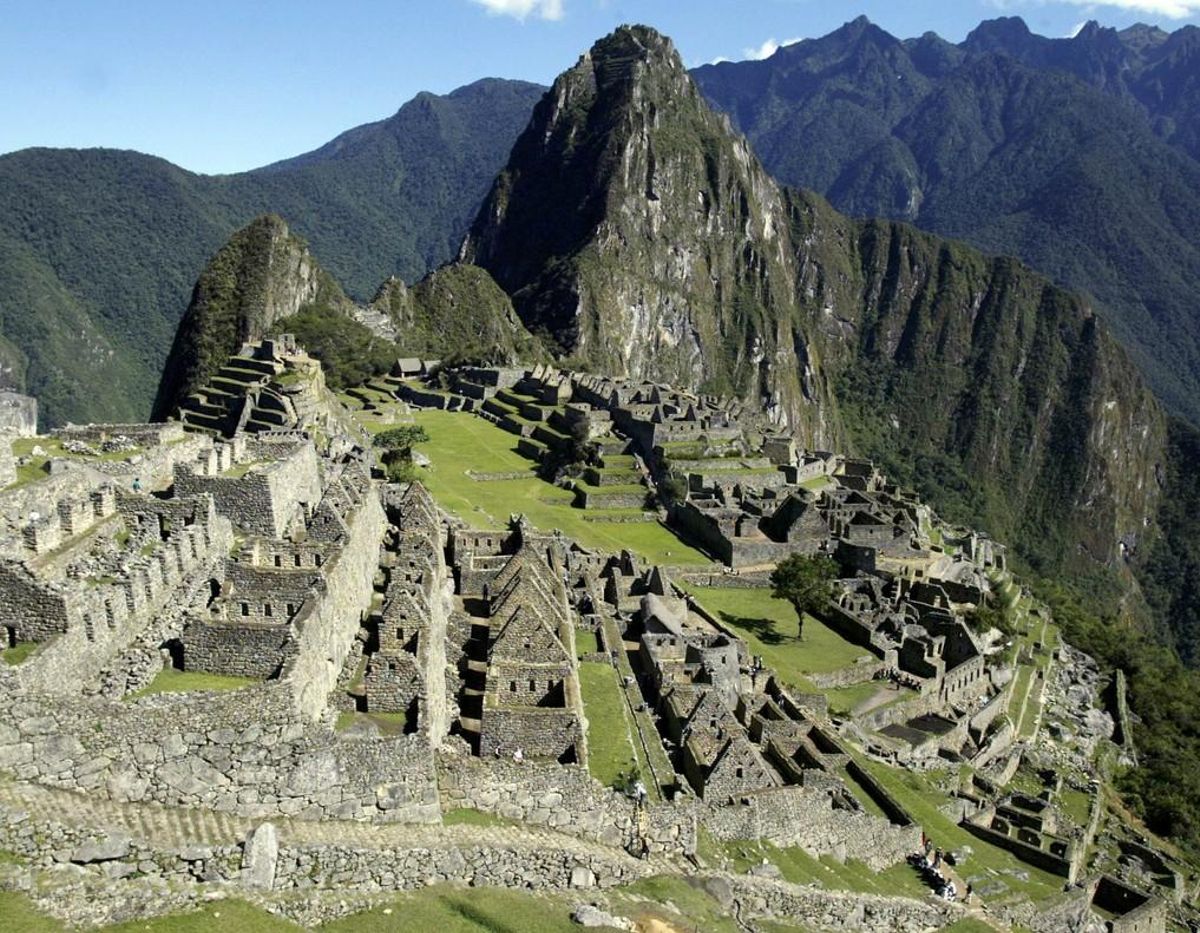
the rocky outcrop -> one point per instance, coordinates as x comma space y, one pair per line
642, 235
457, 312
262, 275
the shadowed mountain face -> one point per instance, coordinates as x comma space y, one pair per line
633, 226
99, 248
1078, 155
643, 236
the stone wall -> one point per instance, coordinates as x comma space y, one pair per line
265, 500
816, 909
806, 817
103, 618
237, 649
326, 626
538, 733
241, 751
565, 798
8, 463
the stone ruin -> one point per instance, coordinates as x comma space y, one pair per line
395, 664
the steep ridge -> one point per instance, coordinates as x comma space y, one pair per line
637, 229
641, 236
265, 281
998, 395
457, 312
261, 276
100, 247
1072, 154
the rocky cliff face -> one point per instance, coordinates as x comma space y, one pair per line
643, 237
262, 275
638, 231
999, 395
456, 312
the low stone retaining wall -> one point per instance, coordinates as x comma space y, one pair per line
804, 817
567, 799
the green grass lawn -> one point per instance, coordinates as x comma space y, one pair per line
769, 627
460, 442
586, 642
611, 752
170, 680
845, 699
462, 910
918, 795
36, 468
799, 867
467, 816
18, 653
387, 723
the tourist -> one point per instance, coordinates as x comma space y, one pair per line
137, 484
639, 791
518, 756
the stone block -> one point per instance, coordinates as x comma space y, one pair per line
260, 857
110, 848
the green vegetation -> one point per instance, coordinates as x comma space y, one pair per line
18, 653
695, 908
349, 352
762, 620
805, 581
99, 249
458, 314
798, 867
611, 737
880, 129
230, 304
466, 816
171, 680
917, 793
462, 442
52, 447
1164, 790
397, 445
386, 723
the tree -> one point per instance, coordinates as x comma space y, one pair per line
986, 616
397, 445
805, 581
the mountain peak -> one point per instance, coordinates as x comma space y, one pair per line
1005, 33
626, 211
619, 56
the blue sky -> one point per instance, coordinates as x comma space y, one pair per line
227, 85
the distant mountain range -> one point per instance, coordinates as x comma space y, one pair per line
1077, 155
99, 248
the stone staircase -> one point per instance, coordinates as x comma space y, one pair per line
244, 395
236, 396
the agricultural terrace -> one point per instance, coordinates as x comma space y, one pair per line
462, 444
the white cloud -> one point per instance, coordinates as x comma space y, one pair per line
770, 47
521, 9
1076, 30
1172, 9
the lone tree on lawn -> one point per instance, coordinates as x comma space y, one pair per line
804, 581
397, 445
